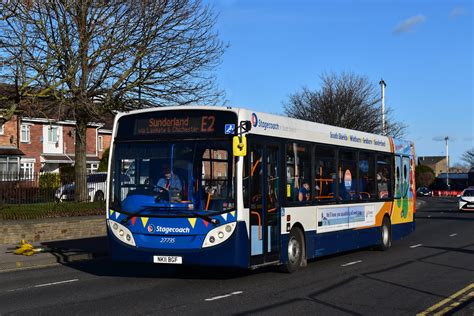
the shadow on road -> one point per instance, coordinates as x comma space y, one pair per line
106, 267
66, 251
452, 218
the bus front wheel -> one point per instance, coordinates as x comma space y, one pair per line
386, 234
295, 251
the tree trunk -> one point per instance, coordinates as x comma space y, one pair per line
80, 168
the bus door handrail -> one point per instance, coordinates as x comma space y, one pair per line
259, 224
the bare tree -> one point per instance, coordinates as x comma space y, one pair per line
468, 157
95, 56
345, 100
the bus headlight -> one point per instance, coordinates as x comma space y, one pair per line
219, 235
121, 232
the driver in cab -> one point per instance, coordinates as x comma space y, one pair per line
169, 181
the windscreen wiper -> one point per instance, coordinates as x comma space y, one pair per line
208, 219
147, 208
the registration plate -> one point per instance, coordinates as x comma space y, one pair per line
168, 259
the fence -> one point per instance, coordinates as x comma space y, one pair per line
48, 188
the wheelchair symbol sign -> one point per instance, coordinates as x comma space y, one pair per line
230, 129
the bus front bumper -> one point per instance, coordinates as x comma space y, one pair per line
234, 252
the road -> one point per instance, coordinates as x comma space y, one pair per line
434, 263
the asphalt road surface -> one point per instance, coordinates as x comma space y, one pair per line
430, 271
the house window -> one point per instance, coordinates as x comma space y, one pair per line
25, 133
53, 134
100, 143
8, 168
92, 167
27, 170
2, 129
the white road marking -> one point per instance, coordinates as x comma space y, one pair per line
416, 246
56, 283
452, 235
223, 296
43, 285
351, 263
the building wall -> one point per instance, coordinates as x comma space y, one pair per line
440, 167
34, 148
106, 139
54, 147
10, 135
52, 229
68, 140
91, 141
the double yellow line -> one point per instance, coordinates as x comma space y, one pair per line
452, 302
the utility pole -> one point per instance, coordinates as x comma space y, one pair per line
383, 85
446, 139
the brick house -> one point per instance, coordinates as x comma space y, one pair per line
30, 145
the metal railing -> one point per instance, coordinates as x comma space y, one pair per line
33, 188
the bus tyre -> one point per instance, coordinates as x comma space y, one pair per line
295, 251
386, 235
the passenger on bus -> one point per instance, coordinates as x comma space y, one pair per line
382, 182
304, 193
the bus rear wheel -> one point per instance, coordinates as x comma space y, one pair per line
295, 251
386, 235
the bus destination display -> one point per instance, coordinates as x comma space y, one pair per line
176, 125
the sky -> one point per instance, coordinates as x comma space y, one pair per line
423, 49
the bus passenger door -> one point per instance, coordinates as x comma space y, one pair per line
264, 205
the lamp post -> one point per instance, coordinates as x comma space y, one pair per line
382, 86
446, 139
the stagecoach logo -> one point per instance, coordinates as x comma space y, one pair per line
151, 228
265, 125
254, 120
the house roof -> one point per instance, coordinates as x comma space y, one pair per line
63, 158
454, 176
10, 151
44, 108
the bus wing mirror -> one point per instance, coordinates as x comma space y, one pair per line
248, 125
239, 146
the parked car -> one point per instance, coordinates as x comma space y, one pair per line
96, 185
466, 200
423, 191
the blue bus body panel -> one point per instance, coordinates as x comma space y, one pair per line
318, 245
233, 252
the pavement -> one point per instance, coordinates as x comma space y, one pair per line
55, 252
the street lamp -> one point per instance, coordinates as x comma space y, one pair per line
446, 139
383, 85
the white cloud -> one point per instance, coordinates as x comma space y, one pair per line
408, 24
457, 11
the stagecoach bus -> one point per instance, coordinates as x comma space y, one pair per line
230, 187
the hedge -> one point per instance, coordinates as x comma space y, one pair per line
50, 210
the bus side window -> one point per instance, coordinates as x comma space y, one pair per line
347, 180
366, 176
325, 174
298, 173
383, 177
